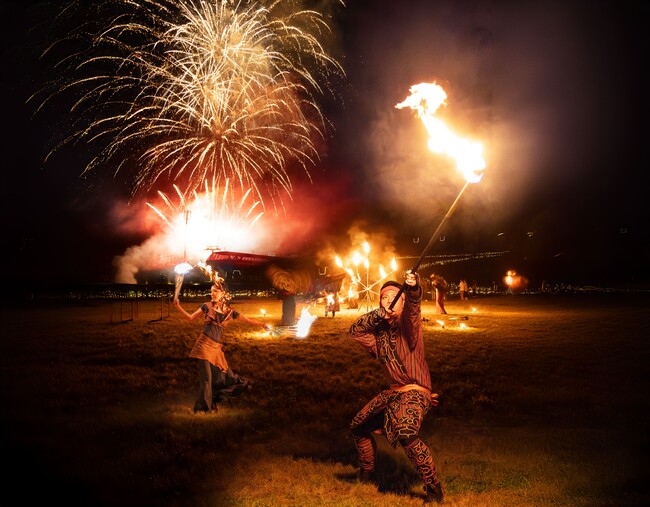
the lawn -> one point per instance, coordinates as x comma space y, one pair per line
543, 401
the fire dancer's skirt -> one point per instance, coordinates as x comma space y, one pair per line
403, 408
211, 351
228, 384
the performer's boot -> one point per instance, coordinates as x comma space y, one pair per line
433, 493
420, 456
366, 451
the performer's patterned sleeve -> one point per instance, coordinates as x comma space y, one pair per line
362, 329
412, 316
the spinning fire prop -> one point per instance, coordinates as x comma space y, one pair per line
426, 98
300, 329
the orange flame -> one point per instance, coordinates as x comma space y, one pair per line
426, 98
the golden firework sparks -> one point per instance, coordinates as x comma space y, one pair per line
197, 91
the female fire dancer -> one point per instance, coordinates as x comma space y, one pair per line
394, 337
215, 376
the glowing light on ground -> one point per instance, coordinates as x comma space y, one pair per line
304, 323
515, 281
300, 329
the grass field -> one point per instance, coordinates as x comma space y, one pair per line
544, 401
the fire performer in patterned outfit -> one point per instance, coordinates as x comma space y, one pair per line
394, 337
216, 378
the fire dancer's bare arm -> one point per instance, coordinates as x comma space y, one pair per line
190, 316
253, 322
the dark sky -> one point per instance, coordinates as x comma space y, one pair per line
556, 92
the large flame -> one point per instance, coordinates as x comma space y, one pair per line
304, 323
426, 98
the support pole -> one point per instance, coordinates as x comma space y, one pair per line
431, 242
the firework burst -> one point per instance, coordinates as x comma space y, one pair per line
214, 218
196, 91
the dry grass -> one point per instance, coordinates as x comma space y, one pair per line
543, 402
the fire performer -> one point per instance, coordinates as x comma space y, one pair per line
440, 287
393, 335
216, 378
333, 303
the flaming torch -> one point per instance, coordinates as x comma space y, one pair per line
426, 98
180, 270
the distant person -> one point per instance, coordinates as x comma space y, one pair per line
353, 293
462, 289
440, 287
394, 337
216, 378
474, 288
333, 304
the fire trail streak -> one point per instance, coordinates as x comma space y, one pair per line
195, 90
426, 98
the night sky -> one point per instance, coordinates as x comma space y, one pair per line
556, 92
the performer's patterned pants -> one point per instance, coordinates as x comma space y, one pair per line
420, 456
399, 417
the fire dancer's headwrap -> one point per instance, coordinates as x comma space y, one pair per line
391, 287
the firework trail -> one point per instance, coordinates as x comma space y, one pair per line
195, 91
